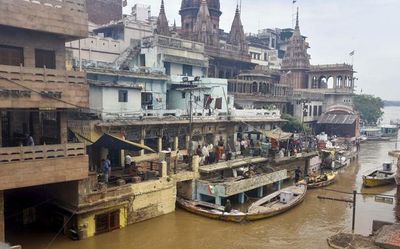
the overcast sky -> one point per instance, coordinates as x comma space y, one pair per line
334, 28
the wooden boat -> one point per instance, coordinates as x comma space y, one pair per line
271, 205
321, 180
277, 202
380, 177
210, 210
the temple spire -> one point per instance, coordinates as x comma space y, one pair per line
237, 36
297, 19
203, 30
162, 22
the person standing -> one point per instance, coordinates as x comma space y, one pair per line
108, 160
206, 154
105, 168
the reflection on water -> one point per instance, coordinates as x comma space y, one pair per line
306, 226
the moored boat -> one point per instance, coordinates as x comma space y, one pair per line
271, 205
321, 180
277, 202
380, 177
210, 210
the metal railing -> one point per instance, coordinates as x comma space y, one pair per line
41, 152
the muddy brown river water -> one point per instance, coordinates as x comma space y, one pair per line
306, 226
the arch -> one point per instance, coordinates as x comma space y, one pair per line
322, 82
314, 82
254, 87
330, 82
339, 80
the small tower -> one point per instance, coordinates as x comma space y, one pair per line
203, 30
162, 22
296, 62
237, 36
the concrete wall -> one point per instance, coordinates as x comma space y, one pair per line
106, 100
104, 11
67, 18
39, 172
218, 88
31, 40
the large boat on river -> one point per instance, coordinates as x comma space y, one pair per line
380, 177
383, 133
269, 206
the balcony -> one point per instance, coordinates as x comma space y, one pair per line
23, 87
37, 165
62, 17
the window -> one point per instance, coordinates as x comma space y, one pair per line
107, 222
183, 95
315, 112
11, 56
45, 58
319, 110
142, 60
218, 103
187, 70
167, 67
123, 96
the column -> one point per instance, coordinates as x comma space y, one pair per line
187, 142
2, 236
63, 128
335, 82
1, 131
241, 198
159, 143
260, 192
142, 136
310, 81
218, 200
176, 143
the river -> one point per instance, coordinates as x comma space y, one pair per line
306, 226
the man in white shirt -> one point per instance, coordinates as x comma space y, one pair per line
205, 153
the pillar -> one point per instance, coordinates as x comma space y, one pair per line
176, 143
1, 131
164, 171
63, 128
159, 143
260, 192
241, 198
37, 129
218, 200
2, 234
142, 136
187, 138
335, 82
310, 81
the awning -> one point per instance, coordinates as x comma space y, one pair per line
346, 119
85, 138
110, 141
278, 134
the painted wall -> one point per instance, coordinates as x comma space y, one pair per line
106, 100
218, 88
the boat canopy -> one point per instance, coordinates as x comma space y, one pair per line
278, 134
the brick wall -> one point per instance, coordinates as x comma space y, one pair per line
104, 11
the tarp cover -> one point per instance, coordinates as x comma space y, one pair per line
347, 119
278, 134
110, 141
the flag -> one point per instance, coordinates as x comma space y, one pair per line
352, 53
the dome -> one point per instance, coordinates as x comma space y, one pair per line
212, 4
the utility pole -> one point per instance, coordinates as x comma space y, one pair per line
354, 211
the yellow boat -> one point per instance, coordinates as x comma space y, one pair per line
379, 178
271, 205
321, 180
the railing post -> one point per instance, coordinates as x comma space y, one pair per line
21, 152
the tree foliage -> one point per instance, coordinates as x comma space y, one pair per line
369, 107
293, 124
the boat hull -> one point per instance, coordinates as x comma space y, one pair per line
331, 180
236, 216
370, 182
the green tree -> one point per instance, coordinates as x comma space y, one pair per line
369, 107
293, 124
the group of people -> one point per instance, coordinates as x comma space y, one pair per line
210, 153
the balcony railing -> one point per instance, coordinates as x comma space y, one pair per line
23, 87
42, 152
42, 75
